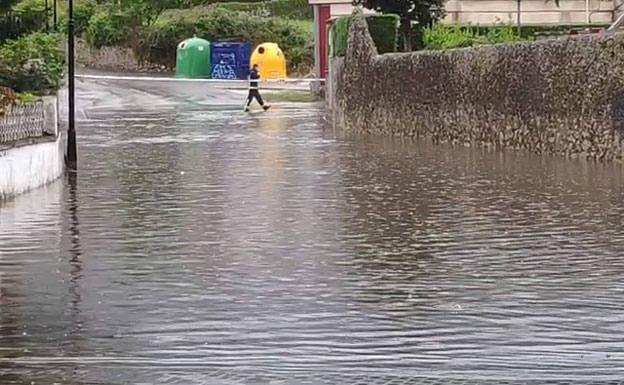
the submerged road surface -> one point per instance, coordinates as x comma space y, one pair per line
201, 245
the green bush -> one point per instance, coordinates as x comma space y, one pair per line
443, 36
84, 10
384, 30
339, 33
294, 37
33, 63
107, 29
27, 6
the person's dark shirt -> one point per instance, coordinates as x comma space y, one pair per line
253, 79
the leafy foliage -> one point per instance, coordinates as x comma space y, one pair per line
32, 63
383, 30
26, 6
13, 24
415, 15
146, 12
84, 10
339, 34
107, 29
443, 36
153, 28
5, 5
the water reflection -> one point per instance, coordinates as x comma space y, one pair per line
74, 340
208, 246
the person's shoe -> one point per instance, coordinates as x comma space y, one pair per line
266, 107
246, 109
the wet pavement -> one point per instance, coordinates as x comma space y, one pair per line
201, 245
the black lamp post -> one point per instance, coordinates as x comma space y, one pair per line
72, 153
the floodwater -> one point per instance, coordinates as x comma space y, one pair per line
200, 245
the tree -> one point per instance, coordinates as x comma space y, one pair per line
146, 12
415, 15
6, 5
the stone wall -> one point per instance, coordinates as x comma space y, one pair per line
561, 97
113, 59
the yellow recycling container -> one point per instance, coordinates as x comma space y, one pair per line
271, 60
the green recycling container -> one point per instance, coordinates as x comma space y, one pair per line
193, 59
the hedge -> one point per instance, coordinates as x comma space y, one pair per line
384, 30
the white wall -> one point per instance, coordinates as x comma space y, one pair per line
27, 167
491, 12
488, 12
33, 165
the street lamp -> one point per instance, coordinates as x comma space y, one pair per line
72, 153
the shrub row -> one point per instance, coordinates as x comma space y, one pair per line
384, 30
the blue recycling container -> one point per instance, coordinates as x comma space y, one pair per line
230, 60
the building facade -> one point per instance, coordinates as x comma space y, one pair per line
532, 12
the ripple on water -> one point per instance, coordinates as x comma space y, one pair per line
199, 246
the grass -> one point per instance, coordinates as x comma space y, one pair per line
291, 97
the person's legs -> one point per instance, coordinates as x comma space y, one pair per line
250, 97
259, 99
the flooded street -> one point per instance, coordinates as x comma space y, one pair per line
201, 245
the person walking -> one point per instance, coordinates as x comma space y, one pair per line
254, 77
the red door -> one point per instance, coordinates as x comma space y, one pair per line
324, 16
